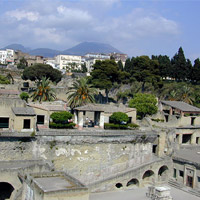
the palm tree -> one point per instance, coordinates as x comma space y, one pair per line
186, 94
43, 92
81, 93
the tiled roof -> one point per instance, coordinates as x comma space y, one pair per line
23, 111
181, 106
107, 108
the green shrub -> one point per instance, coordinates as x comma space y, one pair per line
119, 118
109, 126
133, 125
24, 96
61, 126
4, 80
61, 117
158, 120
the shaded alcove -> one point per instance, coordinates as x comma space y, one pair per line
6, 190
133, 182
163, 173
148, 175
119, 185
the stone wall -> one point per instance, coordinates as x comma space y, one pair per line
88, 158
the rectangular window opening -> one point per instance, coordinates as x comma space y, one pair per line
40, 119
174, 175
27, 124
181, 173
4, 122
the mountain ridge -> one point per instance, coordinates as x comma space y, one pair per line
80, 49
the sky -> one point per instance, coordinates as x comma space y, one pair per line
135, 27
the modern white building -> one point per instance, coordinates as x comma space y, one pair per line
51, 62
68, 62
98, 56
7, 56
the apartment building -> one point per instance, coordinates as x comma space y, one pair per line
68, 62
7, 56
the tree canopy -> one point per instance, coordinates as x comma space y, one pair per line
104, 74
37, 71
22, 63
144, 103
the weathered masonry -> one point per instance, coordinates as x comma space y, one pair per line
102, 160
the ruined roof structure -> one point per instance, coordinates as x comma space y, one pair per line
108, 108
56, 185
188, 155
23, 111
50, 106
180, 105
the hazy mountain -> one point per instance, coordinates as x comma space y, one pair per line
90, 47
45, 52
80, 49
17, 47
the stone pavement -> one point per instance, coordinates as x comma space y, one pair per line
139, 194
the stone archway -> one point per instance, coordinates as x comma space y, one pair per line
133, 182
148, 176
6, 190
163, 173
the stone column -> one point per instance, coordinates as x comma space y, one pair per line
80, 120
161, 144
193, 138
76, 117
180, 138
101, 123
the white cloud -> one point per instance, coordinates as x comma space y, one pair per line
22, 14
73, 14
45, 35
139, 24
62, 24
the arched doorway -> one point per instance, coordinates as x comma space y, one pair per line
148, 176
119, 185
6, 190
163, 173
133, 182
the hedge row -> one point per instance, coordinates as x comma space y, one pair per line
58, 126
119, 126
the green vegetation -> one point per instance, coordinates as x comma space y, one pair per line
109, 126
43, 91
22, 63
119, 118
105, 74
81, 93
24, 96
38, 71
61, 117
4, 80
61, 120
144, 103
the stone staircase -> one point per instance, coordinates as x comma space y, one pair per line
180, 186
